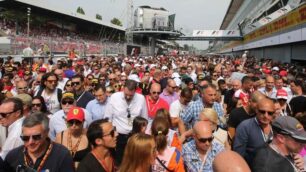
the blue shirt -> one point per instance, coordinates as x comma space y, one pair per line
192, 111
192, 158
96, 109
249, 137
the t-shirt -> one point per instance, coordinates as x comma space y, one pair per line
243, 96
268, 160
176, 108
90, 164
237, 116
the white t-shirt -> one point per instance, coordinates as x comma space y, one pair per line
176, 109
52, 103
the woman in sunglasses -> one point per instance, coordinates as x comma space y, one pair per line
74, 137
220, 135
39, 105
168, 158
68, 87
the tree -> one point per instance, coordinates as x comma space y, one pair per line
80, 10
116, 21
98, 16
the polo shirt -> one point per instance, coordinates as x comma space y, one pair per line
154, 106
169, 98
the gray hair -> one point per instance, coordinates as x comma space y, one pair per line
36, 118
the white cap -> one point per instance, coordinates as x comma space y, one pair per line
137, 65
134, 77
275, 68
164, 68
152, 65
175, 75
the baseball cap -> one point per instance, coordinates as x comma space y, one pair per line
25, 98
134, 77
42, 69
275, 68
283, 73
281, 94
76, 113
68, 95
288, 125
164, 68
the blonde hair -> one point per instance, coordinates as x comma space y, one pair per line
209, 114
138, 153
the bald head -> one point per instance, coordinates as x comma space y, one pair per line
202, 128
155, 91
221, 162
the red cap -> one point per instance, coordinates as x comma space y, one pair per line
76, 113
42, 69
283, 73
282, 94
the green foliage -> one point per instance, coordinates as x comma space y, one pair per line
98, 16
80, 10
116, 21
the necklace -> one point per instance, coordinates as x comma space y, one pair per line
73, 149
103, 163
27, 159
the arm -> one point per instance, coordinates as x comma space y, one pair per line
241, 140
109, 110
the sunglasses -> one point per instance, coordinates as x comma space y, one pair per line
70, 102
204, 140
4, 115
74, 122
34, 137
111, 133
173, 87
75, 83
22, 88
154, 92
37, 104
68, 85
52, 81
264, 112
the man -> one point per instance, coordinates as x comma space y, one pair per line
178, 107
169, 93
27, 103
269, 90
154, 102
61, 80
229, 104
103, 137
97, 106
82, 96
208, 96
121, 109
38, 153
11, 111
240, 114
199, 153
255, 132
50, 93
112, 80
289, 137
243, 94
229, 161
297, 103
279, 84
21, 88
57, 120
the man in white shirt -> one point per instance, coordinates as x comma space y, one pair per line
11, 111
57, 122
121, 109
61, 80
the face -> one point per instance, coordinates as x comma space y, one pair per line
109, 135
215, 76
68, 86
279, 83
171, 87
128, 94
189, 70
236, 86
5, 79
8, 116
122, 80
278, 110
67, 103
51, 82
292, 145
36, 105
59, 74
293, 87
270, 83
248, 86
112, 79
100, 96
34, 143
154, 92
74, 125
77, 84
22, 87
209, 96
203, 140
265, 113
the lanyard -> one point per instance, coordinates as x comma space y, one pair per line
204, 160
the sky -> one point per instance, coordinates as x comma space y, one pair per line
190, 14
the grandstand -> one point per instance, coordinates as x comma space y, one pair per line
271, 28
58, 30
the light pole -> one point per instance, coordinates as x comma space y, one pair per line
29, 13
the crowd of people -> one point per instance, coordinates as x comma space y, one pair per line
157, 114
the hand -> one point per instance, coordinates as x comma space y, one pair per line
298, 161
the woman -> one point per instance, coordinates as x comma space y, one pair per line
168, 158
68, 86
74, 137
88, 82
139, 125
220, 135
139, 154
39, 105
